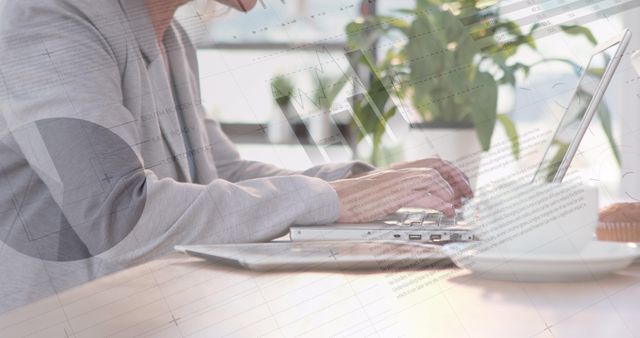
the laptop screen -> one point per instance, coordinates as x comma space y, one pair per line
568, 129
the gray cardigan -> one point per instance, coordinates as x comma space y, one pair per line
107, 158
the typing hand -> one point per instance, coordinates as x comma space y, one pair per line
452, 174
371, 197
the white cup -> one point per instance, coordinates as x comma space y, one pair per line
520, 219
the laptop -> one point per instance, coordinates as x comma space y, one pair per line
413, 238
432, 226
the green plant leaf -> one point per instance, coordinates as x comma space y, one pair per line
579, 30
508, 76
376, 152
282, 89
484, 109
371, 106
337, 87
327, 89
466, 49
426, 59
440, 53
390, 23
512, 134
510, 26
596, 71
556, 160
533, 28
405, 11
362, 34
355, 121
520, 66
510, 48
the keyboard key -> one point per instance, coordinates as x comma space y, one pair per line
414, 219
433, 217
447, 221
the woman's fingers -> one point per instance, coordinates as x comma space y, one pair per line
440, 188
421, 188
458, 180
429, 181
374, 196
366, 207
433, 202
422, 181
456, 177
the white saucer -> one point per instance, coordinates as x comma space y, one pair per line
597, 259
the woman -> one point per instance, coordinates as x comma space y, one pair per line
108, 159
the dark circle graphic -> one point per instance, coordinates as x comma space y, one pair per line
69, 189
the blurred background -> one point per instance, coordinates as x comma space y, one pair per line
292, 83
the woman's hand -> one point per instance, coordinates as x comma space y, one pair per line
454, 176
371, 197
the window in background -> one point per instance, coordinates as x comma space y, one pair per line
243, 93
241, 53
285, 22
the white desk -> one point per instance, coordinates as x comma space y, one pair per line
179, 296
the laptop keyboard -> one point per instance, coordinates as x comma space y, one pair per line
429, 218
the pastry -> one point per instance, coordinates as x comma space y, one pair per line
620, 222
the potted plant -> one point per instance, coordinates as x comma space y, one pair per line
452, 58
279, 129
323, 94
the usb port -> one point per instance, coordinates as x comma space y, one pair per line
415, 237
435, 237
396, 236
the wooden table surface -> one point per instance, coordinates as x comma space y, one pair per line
179, 296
